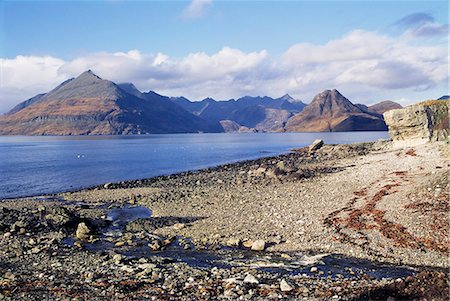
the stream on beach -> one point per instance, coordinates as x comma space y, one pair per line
47, 164
182, 250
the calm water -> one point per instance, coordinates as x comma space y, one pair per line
40, 165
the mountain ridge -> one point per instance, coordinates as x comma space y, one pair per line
89, 104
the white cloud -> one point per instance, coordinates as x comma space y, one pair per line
196, 9
365, 66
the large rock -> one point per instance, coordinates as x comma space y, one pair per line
419, 123
318, 143
82, 231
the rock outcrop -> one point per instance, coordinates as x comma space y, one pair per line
424, 122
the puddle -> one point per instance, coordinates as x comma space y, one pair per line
120, 216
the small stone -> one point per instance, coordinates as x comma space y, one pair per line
147, 266
318, 143
78, 244
313, 270
247, 243
285, 286
233, 242
82, 231
119, 243
107, 185
22, 231
7, 234
250, 279
155, 246
179, 226
117, 258
258, 245
10, 276
286, 256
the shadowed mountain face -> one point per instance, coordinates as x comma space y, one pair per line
260, 113
330, 111
91, 105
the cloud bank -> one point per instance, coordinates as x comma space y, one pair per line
363, 64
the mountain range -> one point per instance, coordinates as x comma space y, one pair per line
90, 105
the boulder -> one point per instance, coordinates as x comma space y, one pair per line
285, 286
250, 279
258, 245
419, 123
82, 231
317, 144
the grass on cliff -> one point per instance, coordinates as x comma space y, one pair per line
431, 102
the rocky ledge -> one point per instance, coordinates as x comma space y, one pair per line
419, 123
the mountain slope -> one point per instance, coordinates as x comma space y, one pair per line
384, 106
330, 111
91, 105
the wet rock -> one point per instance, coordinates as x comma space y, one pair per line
313, 270
82, 231
107, 186
317, 144
285, 286
119, 243
250, 279
258, 245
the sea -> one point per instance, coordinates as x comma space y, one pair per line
38, 165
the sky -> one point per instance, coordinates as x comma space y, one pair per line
368, 50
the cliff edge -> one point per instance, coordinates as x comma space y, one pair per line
420, 123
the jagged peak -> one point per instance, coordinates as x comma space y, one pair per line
88, 74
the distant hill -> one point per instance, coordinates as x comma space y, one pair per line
91, 105
330, 111
384, 106
260, 113
444, 97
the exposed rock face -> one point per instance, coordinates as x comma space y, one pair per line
419, 123
91, 105
231, 126
330, 111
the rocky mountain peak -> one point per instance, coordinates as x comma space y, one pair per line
332, 102
86, 85
287, 97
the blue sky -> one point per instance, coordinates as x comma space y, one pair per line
226, 49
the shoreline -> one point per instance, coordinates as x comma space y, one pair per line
341, 199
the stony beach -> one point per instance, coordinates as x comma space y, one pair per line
343, 222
